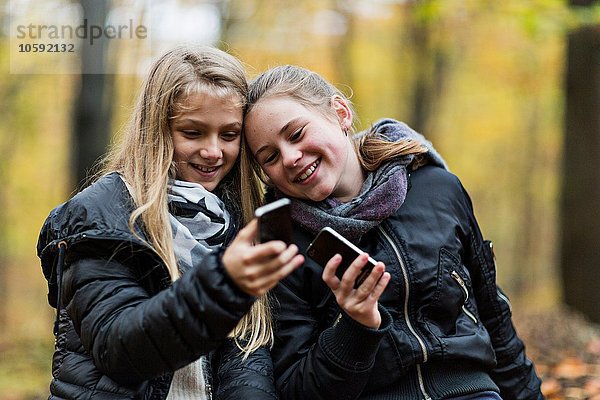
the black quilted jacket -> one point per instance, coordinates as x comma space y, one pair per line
123, 327
446, 327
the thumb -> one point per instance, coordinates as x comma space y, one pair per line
248, 233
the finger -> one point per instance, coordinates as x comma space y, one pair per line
287, 254
349, 277
368, 284
365, 291
267, 250
289, 267
264, 283
381, 285
268, 264
262, 253
329, 276
248, 233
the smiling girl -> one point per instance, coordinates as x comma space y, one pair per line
135, 263
429, 322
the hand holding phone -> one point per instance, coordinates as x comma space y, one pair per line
275, 221
329, 243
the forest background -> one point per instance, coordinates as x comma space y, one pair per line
485, 80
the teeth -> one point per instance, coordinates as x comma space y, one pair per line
309, 171
204, 169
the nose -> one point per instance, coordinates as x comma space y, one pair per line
290, 156
211, 151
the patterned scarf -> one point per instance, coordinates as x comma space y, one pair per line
382, 193
199, 221
200, 224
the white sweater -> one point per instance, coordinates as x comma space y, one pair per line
189, 382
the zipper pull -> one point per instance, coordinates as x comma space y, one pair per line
339, 317
458, 279
463, 286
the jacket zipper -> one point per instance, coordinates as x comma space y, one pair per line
62, 248
502, 296
463, 286
506, 300
406, 316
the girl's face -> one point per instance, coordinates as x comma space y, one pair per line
206, 138
304, 153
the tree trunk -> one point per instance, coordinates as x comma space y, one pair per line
341, 49
430, 65
92, 112
580, 217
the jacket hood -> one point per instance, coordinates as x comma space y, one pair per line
394, 131
94, 222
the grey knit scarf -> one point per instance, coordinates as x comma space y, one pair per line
382, 193
199, 221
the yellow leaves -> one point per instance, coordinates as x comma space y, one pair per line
570, 368
565, 349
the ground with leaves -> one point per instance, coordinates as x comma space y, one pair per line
566, 351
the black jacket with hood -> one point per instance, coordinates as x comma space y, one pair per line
122, 327
446, 327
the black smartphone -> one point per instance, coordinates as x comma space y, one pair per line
275, 221
329, 243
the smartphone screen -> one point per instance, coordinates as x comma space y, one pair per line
275, 221
329, 243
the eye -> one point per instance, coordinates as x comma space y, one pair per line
190, 132
271, 157
296, 135
230, 136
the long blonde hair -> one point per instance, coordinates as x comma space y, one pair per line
144, 158
313, 91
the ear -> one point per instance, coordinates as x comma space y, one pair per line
342, 111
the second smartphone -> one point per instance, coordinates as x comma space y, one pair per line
328, 243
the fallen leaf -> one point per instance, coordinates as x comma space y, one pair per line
592, 386
575, 393
551, 387
593, 346
570, 368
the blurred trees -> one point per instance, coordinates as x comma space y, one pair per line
9, 111
580, 261
430, 62
93, 101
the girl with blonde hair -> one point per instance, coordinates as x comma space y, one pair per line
136, 263
429, 321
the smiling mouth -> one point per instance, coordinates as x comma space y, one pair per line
308, 172
206, 170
